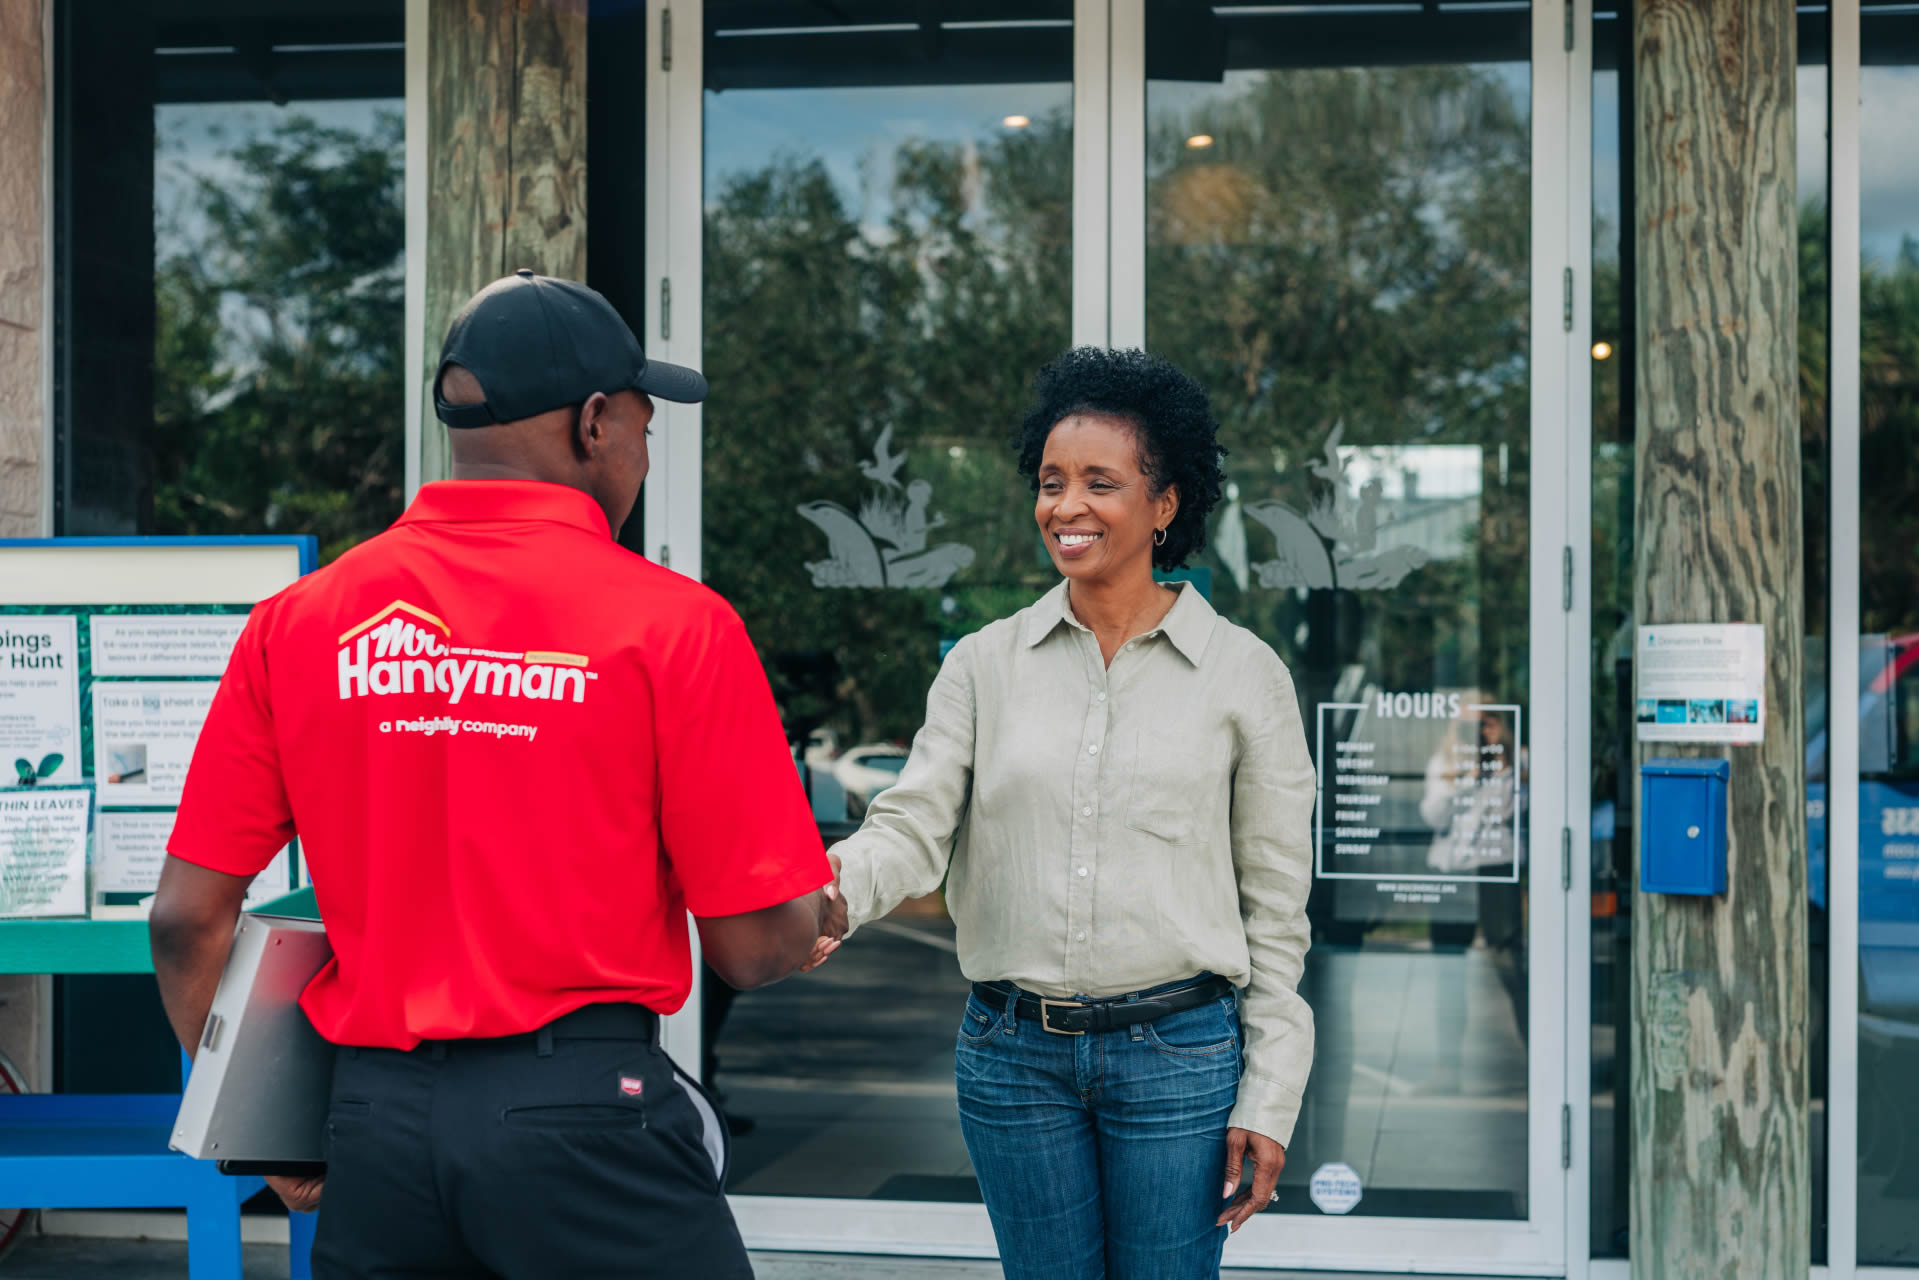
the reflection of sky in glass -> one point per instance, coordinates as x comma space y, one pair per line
196, 140
855, 132
1437, 470
1177, 108
1179, 99
1889, 160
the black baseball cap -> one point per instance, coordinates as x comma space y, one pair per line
537, 344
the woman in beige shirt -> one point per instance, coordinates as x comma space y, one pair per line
1114, 786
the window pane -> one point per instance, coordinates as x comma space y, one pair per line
1889, 625
229, 301
1613, 410
888, 258
1338, 233
253, 255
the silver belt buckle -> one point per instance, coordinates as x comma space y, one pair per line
1046, 1023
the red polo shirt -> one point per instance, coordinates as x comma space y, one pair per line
515, 755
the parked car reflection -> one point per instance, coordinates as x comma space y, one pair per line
866, 771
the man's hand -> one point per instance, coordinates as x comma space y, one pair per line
832, 920
302, 1195
1268, 1159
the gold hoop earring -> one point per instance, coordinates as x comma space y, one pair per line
1159, 537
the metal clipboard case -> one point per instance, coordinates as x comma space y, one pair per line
261, 1077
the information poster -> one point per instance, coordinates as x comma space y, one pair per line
188, 644
1421, 803
43, 850
119, 694
144, 732
1699, 682
129, 848
39, 700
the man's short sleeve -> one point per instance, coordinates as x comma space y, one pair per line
733, 815
234, 816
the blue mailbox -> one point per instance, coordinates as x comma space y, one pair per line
1682, 812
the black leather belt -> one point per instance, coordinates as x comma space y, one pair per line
590, 1022
1077, 1017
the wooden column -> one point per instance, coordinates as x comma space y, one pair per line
1721, 1182
23, 106
506, 160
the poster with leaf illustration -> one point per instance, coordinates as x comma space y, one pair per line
43, 850
106, 700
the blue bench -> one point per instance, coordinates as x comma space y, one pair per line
109, 1151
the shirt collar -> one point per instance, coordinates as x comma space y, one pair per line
494, 501
1188, 624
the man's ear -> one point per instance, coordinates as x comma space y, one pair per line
589, 429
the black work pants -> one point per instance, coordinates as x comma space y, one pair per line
578, 1151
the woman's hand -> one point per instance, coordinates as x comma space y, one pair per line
832, 921
1268, 1159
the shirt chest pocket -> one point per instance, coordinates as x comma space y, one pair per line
1171, 780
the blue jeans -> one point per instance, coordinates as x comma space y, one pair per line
1102, 1156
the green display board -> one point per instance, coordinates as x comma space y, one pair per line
110, 654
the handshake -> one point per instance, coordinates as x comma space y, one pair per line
832, 921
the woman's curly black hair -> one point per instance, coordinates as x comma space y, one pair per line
1178, 435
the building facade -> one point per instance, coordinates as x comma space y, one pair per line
1397, 243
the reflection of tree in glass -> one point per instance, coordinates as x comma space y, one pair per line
1889, 444
835, 346
1353, 248
279, 314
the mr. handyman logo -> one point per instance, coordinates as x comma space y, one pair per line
405, 649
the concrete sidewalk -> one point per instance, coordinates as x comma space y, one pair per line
69, 1258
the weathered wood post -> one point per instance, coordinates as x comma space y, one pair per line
506, 160
23, 107
1721, 1182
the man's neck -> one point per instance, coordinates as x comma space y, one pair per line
496, 470
506, 469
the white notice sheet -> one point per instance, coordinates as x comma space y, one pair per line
1701, 682
43, 851
39, 700
180, 644
143, 737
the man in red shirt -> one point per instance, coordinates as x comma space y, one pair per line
515, 755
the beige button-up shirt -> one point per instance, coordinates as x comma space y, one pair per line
1103, 830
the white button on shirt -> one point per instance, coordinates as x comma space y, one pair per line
1204, 851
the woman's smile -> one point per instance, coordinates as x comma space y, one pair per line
1074, 543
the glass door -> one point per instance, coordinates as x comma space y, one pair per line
1341, 222
875, 223
879, 200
